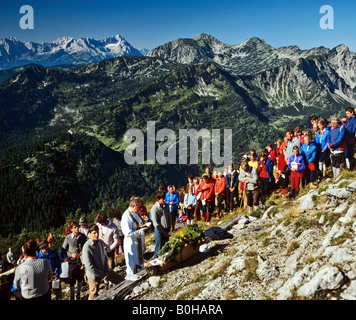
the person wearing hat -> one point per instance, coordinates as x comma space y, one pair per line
84, 226
46, 253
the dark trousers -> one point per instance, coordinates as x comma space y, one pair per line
349, 154
220, 200
252, 197
160, 241
264, 189
229, 196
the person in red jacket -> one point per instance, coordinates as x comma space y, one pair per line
207, 197
219, 191
282, 171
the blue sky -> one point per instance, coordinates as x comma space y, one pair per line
147, 24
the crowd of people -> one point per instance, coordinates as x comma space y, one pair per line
88, 251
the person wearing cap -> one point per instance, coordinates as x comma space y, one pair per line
84, 227
46, 253
350, 127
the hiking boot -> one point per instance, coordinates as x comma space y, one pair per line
313, 186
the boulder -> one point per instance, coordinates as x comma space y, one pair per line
328, 278
350, 292
306, 201
340, 193
351, 187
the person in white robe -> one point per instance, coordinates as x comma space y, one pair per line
134, 232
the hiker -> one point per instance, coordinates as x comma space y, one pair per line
51, 239
265, 171
207, 197
162, 222
197, 192
172, 200
321, 141
46, 253
292, 141
96, 262
38, 273
253, 159
5, 286
181, 196
109, 234
336, 143
350, 127
231, 184
309, 151
134, 232
117, 221
190, 201
219, 190
11, 257
298, 133
283, 172
73, 244
249, 176
297, 168
314, 121
84, 227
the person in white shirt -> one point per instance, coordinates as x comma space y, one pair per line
134, 232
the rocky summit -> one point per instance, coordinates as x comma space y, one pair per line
297, 250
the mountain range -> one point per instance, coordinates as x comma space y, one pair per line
252, 88
65, 50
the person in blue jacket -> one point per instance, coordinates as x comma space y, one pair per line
350, 127
309, 151
336, 143
46, 253
321, 142
172, 200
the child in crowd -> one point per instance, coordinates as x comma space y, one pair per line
190, 201
296, 167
